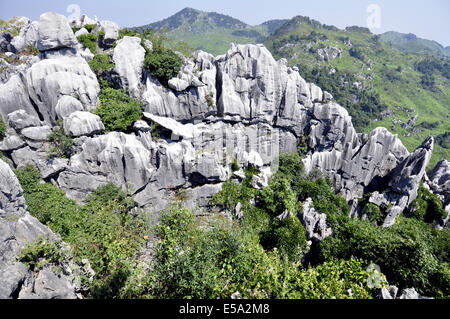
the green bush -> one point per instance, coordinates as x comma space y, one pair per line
102, 230
279, 197
89, 41
60, 144
2, 129
194, 260
41, 252
163, 63
90, 27
288, 236
334, 279
118, 110
404, 255
427, 206
101, 63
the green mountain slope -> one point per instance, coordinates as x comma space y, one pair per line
378, 84
410, 43
212, 32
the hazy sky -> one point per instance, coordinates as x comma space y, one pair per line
427, 19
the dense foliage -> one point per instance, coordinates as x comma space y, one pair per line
101, 63
102, 230
2, 129
163, 63
118, 110
60, 144
89, 41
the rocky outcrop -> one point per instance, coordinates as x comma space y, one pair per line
440, 180
54, 32
315, 224
17, 229
391, 292
83, 124
129, 61
110, 32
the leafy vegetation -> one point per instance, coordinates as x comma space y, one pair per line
427, 207
118, 110
89, 41
41, 252
60, 144
163, 63
101, 63
216, 261
2, 129
102, 230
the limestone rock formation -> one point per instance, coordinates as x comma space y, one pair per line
54, 32
129, 61
315, 224
83, 123
18, 228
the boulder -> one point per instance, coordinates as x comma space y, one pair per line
129, 61
83, 123
39, 133
114, 157
67, 105
440, 180
20, 119
28, 37
50, 80
54, 32
111, 31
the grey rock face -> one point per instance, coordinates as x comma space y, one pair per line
315, 224
27, 37
81, 21
67, 105
129, 61
406, 179
11, 143
114, 157
111, 30
83, 123
17, 228
50, 80
440, 180
20, 119
39, 133
55, 32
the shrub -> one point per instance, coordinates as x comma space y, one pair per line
235, 165
90, 27
220, 258
427, 206
2, 129
334, 279
118, 110
162, 63
279, 197
60, 144
288, 236
101, 63
41, 252
102, 230
401, 251
89, 41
